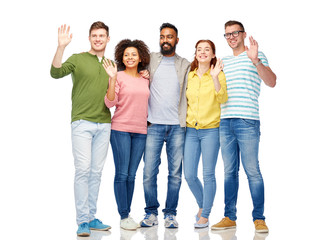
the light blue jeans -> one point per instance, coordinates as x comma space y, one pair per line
89, 143
173, 135
239, 139
206, 143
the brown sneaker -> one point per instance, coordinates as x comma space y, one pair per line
225, 223
260, 226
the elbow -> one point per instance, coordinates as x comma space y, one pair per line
273, 82
109, 103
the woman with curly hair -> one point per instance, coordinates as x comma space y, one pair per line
129, 92
206, 90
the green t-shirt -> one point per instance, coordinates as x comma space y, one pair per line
90, 83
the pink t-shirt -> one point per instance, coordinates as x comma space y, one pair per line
131, 102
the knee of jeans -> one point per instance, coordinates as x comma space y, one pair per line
231, 174
174, 179
254, 174
209, 177
131, 178
190, 178
120, 177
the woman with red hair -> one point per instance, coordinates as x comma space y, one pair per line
206, 90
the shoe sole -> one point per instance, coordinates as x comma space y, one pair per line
145, 225
171, 226
83, 234
205, 226
222, 228
262, 231
101, 229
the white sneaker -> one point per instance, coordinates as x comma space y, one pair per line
128, 224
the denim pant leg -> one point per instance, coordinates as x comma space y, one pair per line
121, 147
231, 159
192, 152
152, 161
248, 135
137, 148
89, 145
175, 136
209, 139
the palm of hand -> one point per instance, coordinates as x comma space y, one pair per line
252, 52
110, 69
215, 71
64, 38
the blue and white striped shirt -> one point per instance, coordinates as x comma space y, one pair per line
243, 87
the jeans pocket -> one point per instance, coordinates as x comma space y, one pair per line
75, 124
250, 122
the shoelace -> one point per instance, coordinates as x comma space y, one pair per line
83, 225
97, 220
260, 222
147, 216
170, 217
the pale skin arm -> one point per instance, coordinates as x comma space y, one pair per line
112, 72
265, 73
214, 72
64, 38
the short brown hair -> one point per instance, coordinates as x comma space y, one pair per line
233, 22
99, 25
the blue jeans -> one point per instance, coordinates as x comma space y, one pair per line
174, 136
89, 143
239, 139
206, 143
127, 149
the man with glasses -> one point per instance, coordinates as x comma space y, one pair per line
240, 125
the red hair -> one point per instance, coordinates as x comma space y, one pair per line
194, 64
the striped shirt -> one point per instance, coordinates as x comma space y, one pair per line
243, 87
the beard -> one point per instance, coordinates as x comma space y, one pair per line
169, 51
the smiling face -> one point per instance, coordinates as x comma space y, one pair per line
168, 41
236, 43
204, 53
98, 39
131, 57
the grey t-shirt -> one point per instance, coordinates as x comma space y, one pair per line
164, 94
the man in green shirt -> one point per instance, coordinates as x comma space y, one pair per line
91, 120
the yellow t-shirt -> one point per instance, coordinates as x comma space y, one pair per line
203, 101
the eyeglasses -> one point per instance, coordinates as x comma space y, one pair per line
234, 34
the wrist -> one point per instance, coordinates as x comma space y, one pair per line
256, 62
61, 47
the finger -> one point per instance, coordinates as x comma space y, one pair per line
68, 30
105, 63
251, 40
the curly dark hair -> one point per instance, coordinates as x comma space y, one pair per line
143, 51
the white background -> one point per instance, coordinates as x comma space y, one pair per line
36, 163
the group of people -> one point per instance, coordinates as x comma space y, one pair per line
194, 108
